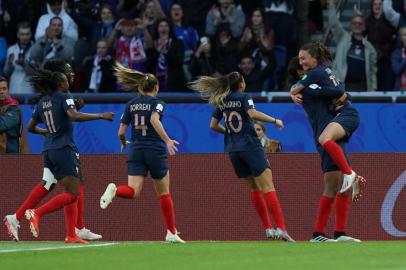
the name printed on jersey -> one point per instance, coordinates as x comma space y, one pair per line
140, 107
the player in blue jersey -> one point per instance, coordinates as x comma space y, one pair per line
320, 104
56, 109
241, 142
42, 189
148, 147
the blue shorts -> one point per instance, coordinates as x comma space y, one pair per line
349, 119
63, 162
249, 163
327, 163
142, 161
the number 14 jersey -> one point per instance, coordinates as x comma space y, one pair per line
138, 113
240, 133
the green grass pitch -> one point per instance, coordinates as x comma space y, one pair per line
388, 255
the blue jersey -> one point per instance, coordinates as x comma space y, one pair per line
317, 96
52, 111
138, 113
240, 133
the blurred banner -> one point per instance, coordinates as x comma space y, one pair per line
382, 128
211, 203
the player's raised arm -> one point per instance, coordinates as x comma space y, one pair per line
260, 116
74, 115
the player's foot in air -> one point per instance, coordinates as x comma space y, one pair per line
270, 233
33, 220
348, 180
75, 240
173, 238
358, 188
321, 238
281, 234
342, 237
12, 225
108, 196
86, 234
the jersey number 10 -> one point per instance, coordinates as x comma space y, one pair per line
228, 121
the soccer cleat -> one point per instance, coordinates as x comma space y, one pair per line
358, 188
75, 240
33, 219
322, 238
270, 233
12, 225
348, 180
86, 234
173, 238
108, 195
281, 234
346, 238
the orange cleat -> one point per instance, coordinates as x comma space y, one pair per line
358, 188
33, 219
75, 240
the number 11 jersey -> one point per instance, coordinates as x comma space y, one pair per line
240, 133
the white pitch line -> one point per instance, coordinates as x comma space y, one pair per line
58, 247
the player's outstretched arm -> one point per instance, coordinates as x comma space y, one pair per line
33, 128
74, 115
159, 128
216, 126
260, 116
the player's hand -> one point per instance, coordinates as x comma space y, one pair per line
171, 146
279, 123
298, 98
79, 103
339, 102
124, 145
109, 116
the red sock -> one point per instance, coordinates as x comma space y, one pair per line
71, 211
260, 206
342, 211
55, 203
323, 215
125, 192
80, 208
337, 154
168, 212
275, 209
37, 194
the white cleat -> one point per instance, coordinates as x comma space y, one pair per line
270, 233
346, 238
280, 234
108, 195
12, 225
348, 180
322, 239
173, 238
86, 234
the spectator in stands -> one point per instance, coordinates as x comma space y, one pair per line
399, 61
269, 145
397, 19
227, 15
382, 35
195, 13
202, 61
150, 13
356, 59
225, 53
10, 121
254, 77
166, 57
29, 10
55, 9
99, 77
132, 45
54, 44
3, 54
185, 33
17, 56
103, 28
127, 8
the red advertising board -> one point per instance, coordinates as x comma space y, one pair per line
211, 203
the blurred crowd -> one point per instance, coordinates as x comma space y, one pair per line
178, 40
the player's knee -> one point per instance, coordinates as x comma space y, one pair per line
322, 139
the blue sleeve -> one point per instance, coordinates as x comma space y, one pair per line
35, 115
68, 102
217, 114
329, 92
126, 116
248, 103
309, 78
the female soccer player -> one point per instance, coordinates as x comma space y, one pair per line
242, 143
42, 189
315, 101
56, 109
149, 143
312, 58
